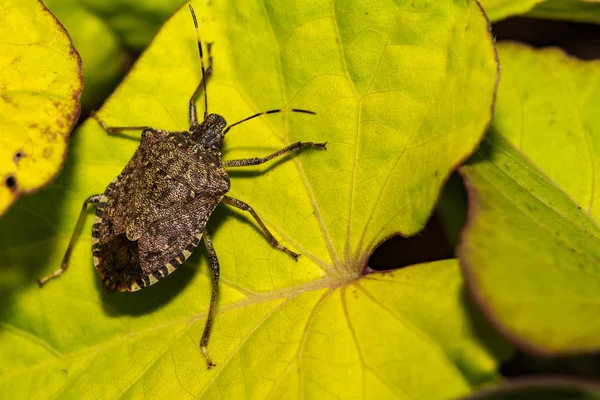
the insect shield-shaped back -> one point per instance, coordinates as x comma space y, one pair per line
152, 216
209, 134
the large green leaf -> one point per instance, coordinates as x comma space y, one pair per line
531, 249
403, 93
40, 86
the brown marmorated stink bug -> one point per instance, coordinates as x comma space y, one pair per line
153, 215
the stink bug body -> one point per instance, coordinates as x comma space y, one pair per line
154, 214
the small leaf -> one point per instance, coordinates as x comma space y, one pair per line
497, 10
532, 246
402, 94
541, 388
570, 10
40, 86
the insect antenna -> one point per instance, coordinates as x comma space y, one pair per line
195, 95
298, 110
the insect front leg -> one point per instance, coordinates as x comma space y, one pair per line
65, 262
243, 206
259, 160
214, 266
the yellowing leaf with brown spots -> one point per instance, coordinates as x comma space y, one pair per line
40, 84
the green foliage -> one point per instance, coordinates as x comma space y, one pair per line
98, 46
385, 83
404, 93
574, 10
500, 9
542, 389
104, 32
534, 232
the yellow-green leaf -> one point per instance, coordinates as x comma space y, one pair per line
570, 10
531, 249
402, 94
40, 86
500, 9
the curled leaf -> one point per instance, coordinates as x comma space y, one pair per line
531, 249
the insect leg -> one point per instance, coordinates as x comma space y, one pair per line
258, 160
65, 262
214, 265
117, 129
243, 206
205, 74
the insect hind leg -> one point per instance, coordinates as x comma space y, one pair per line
214, 266
65, 262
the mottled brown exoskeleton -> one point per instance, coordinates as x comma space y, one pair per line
154, 214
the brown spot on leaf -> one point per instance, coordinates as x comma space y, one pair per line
18, 155
8, 100
11, 183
